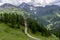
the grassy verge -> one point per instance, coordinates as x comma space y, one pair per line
7, 33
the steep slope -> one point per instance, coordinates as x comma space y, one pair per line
42, 14
49, 16
45, 15
22, 12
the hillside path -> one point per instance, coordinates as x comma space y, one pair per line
26, 31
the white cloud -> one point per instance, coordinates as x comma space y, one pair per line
32, 2
45, 2
1, 4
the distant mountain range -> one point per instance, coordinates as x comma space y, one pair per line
39, 10
45, 15
7, 6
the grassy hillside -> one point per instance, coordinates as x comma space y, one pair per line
8, 33
14, 33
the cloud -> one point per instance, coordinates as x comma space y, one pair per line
32, 2
45, 2
14, 2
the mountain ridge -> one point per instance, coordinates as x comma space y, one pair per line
39, 13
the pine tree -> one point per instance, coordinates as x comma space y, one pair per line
21, 21
5, 17
13, 21
17, 20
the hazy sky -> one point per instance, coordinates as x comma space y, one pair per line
34, 2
